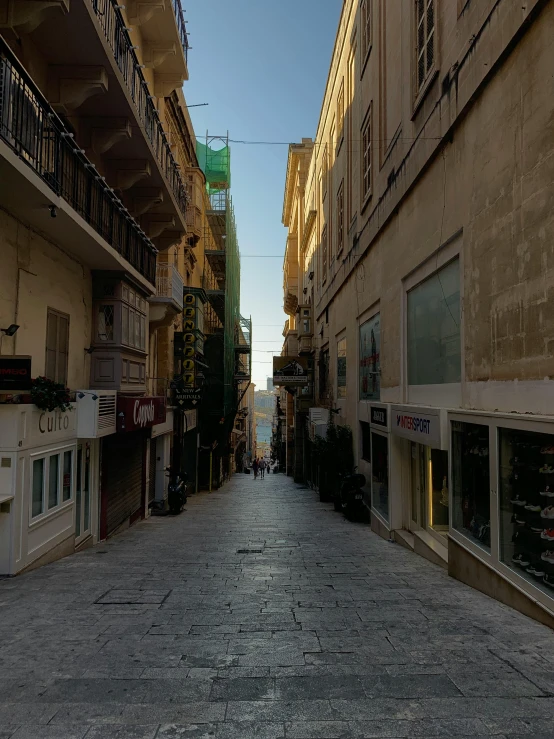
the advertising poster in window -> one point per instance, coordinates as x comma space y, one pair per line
370, 366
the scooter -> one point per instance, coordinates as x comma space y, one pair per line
352, 498
177, 492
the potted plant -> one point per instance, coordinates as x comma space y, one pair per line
49, 395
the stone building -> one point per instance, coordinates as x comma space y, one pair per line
420, 246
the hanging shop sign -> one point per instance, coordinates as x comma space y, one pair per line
15, 373
134, 414
425, 426
290, 370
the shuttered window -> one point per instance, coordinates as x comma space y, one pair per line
57, 346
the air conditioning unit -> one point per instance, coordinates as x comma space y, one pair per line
318, 422
96, 418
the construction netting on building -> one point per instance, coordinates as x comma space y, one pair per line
216, 165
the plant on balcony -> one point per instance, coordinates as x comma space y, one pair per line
49, 395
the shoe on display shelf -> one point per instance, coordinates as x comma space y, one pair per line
548, 534
548, 580
548, 512
547, 556
518, 501
546, 469
521, 560
537, 529
535, 571
533, 507
548, 492
547, 450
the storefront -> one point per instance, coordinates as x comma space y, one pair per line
375, 463
502, 522
38, 482
421, 441
124, 494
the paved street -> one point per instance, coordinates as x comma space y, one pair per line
260, 612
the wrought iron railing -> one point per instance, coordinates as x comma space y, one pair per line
169, 283
112, 23
30, 127
181, 26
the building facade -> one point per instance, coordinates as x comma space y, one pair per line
102, 212
423, 249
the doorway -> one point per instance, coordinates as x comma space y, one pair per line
82, 493
429, 505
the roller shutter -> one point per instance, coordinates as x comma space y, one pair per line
152, 472
122, 457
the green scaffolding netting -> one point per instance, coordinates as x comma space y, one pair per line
216, 165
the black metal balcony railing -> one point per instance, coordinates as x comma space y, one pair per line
112, 23
30, 127
181, 27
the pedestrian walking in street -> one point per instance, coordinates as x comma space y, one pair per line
262, 467
255, 467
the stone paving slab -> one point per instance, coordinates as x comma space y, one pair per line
325, 632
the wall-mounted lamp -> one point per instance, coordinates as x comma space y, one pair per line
11, 330
81, 394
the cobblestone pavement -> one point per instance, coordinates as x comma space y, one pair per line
260, 612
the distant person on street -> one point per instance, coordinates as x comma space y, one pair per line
262, 467
255, 467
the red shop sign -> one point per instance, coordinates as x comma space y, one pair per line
139, 413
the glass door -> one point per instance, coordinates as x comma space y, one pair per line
82, 493
417, 507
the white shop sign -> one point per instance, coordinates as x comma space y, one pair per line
24, 426
424, 426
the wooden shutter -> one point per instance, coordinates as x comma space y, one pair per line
57, 346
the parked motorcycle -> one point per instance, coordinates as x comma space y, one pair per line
177, 492
351, 498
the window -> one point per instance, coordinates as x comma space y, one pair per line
340, 217
367, 152
366, 441
324, 257
434, 356
341, 368
105, 322
340, 113
57, 346
380, 474
370, 361
365, 21
52, 482
425, 40
38, 488
324, 373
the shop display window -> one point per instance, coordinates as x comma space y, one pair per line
380, 474
438, 491
526, 499
471, 511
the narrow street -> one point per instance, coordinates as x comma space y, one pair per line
260, 612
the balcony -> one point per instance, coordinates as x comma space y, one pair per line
56, 189
168, 300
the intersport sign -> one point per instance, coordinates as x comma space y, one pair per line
134, 414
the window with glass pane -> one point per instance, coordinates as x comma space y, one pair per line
366, 26
324, 258
434, 329
38, 487
366, 441
325, 169
380, 474
124, 324
137, 341
67, 475
370, 363
425, 39
340, 217
54, 481
366, 158
105, 322
526, 500
471, 512
340, 111
341, 368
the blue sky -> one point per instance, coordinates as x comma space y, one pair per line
262, 67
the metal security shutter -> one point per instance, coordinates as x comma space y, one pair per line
122, 461
152, 472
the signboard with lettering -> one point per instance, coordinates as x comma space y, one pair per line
379, 416
15, 373
134, 414
290, 371
420, 426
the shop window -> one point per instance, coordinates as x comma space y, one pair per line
57, 346
341, 368
526, 499
38, 488
380, 474
370, 365
366, 441
54, 481
471, 511
434, 329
